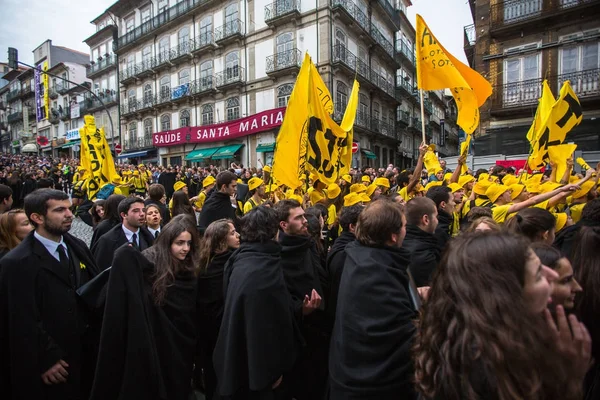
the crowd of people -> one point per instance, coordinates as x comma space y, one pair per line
424, 283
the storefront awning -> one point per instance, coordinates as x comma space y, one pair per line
226, 152
70, 144
29, 148
199, 155
369, 154
133, 155
265, 148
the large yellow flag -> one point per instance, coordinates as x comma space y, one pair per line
289, 160
558, 155
95, 157
326, 138
438, 69
348, 127
541, 115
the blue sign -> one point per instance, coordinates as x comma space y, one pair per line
73, 134
180, 91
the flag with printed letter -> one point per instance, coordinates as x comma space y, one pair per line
95, 157
348, 127
438, 69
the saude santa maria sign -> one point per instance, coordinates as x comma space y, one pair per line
260, 122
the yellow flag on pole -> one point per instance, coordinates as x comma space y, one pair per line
464, 151
558, 155
348, 126
438, 69
541, 115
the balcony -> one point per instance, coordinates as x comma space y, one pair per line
2, 105
585, 84
362, 120
65, 113
62, 87
415, 125
406, 88
391, 11
403, 119
510, 16
14, 117
182, 52
13, 95
26, 91
161, 22
101, 66
384, 45
163, 97
515, 95
353, 65
131, 106
138, 144
469, 43
205, 41
230, 32
108, 97
163, 59
282, 11
145, 68
181, 92
405, 54
434, 120
428, 106
383, 128
54, 116
231, 77
351, 14
203, 85
85, 106
52, 93
284, 63
128, 74
384, 85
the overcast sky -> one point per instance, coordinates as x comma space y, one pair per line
25, 24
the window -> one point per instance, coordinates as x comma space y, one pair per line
131, 97
146, 54
165, 87
284, 56
130, 61
165, 122
184, 118
376, 111
340, 45
341, 97
231, 17
145, 14
184, 77
206, 30
148, 94
129, 25
521, 79
207, 114
147, 127
363, 110
233, 108
162, 5
163, 49
206, 75
232, 67
132, 134
516, 10
283, 94
580, 65
183, 40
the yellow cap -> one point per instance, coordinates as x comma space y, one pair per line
509, 180
433, 184
141, 165
447, 176
299, 199
516, 190
481, 187
179, 185
561, 221
370, 190
358, 188
254, 182
385, 182
352, 199
585, 188
239, 180
266, 168
209, 180
136, 173
347, 178
364, 198
316, 196
333, 191
455, 187
533, 187
495, 190
116, 180
464, 179
537, 178
365, 179
483, 177
549, 186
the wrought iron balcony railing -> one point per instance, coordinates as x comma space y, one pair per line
229, 30
584, 83
14, 117
507, 12
406, 51
382, 83
13, 95
382, 41
138, 143
346, 57
203, 84
203, 41
280, 9
101, 65
26, 90
470, 35
354, 11
231, 75
284, 60
383, 127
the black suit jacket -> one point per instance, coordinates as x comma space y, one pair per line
43, 321
104, 249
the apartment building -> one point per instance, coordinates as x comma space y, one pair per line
207, 82
518, 44
17, 99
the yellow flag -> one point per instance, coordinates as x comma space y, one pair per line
541, 115
438, 69
95, 157
431, 162
348, 127
325, 137
582, 163
559, 155
291, 145
566, 113
464, 151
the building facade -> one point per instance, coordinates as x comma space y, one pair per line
207, 82
518, 44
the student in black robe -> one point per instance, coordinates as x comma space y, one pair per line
218, 205
258, 339
566, 239
370, 357
149, 327
131, 230
44, 347
444, 201
111, 217
218, 244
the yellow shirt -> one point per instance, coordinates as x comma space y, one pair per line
331, 214
499, 213
200, 200
455, 228
122, 189
316, 196
404, 194
576, 210
250, 204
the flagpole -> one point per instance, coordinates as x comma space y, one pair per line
422, 116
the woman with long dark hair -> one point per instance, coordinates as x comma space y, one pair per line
218, 243
14, 227
110, 219
482, 333
182, 205
536, 224
97, 212
149, 327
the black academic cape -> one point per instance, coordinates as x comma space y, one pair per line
42, 320
373, 332
105, 247
146, 351
168, 179
258, 339
103, 227
425, 254
442, 231
566, 239
210, 303
335, 265
216, 207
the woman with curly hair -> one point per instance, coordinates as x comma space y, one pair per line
485, 331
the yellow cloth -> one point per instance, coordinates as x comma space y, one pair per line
499, 213
199, 203
404, 194
122, 189
438, 69
331, 214
576, 210
347, 125
559, 154
249, 205
315, 196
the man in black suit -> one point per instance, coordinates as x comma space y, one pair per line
43, 326
219, 204
131, 230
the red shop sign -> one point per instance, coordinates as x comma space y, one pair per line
260, 122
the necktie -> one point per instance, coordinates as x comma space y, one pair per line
156, 234
134, 240
62, 256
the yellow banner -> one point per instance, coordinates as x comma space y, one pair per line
438, 69
348, 127
431, 162
95, 157
464, 152
566, 113
559, 155
541, 115
46, 89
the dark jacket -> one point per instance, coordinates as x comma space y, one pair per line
425, 254
258, 339
442, 232
216, 207
146, 351
374, 330
168, 179
335, 265
164, 211
42, 320
104, 249
103, 227
565, 240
